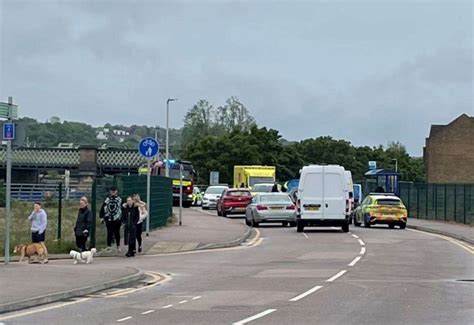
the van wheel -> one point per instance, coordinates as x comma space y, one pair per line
345, 228
299, 226
392, 226
366, 224
403, 225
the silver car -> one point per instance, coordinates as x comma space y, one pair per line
271, 207
212, 196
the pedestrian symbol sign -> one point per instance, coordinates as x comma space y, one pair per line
149, 148
8, 131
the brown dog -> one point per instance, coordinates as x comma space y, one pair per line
29, 251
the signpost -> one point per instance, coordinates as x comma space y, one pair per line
8, 111
148, 148
214, 178
180, 193
372, 165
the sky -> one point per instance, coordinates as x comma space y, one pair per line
369, 72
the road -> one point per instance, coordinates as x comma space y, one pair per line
324, 276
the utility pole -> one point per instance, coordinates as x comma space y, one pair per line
167, 170
9, 139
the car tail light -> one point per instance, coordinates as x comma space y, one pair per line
347, 206
298, 205
291, 207
261, 207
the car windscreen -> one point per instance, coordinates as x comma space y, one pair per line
255, 180
238, 193
388, 201
215, 190
262, 188
275, 199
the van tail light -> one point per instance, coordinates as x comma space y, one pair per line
261, 207
291, 207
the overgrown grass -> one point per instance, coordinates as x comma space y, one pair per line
20, 227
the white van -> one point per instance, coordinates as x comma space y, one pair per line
322, 197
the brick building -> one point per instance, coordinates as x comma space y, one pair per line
449, 152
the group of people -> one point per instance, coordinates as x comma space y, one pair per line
131, 214
114, 213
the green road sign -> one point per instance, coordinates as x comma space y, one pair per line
5, 111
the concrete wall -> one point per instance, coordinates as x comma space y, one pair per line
449, 152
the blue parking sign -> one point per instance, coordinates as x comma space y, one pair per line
8, 131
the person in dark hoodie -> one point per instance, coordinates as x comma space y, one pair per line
131, 216
83, 224
111, 214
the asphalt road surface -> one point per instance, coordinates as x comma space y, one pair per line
323, 276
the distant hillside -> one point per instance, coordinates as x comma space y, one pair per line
55, 132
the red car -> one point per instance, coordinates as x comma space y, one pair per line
233, 201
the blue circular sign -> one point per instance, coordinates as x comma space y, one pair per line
149, 148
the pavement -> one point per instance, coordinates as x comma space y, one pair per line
454, 230
59, 279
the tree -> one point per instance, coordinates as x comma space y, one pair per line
234, 115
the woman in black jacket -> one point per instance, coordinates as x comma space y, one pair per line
83, 223
131, 216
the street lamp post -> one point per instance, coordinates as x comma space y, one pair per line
396, 165
167, 171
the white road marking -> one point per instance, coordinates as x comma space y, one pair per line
148, 312
167, 307
355, 236
124, 319
44, 309
305, 294
183, 302
459, 243
361, 242
337, 276
354, 262
196, 298
304, 234
250, 319
362, 250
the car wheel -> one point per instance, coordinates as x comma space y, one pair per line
403, 225
391, 226
285, 223
366, 221
224, 214
357, 223
219, 213
299, 226
204, 208
247, 222
187, 204
255, 224
292, 224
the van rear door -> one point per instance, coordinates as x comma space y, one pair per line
311, 198
334, 195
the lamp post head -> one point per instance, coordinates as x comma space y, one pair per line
171, 100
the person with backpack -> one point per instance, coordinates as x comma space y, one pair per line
111, 214
83, 224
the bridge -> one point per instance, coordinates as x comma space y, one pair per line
28, 163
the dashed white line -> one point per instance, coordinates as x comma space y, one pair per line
361, 242
362, 250
124, 319
304, 234
250, 319
196, 298
337, 276
167, 307
354, 262
305, 294
183, 302
148, 312
355, 236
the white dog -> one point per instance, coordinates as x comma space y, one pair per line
84, 257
